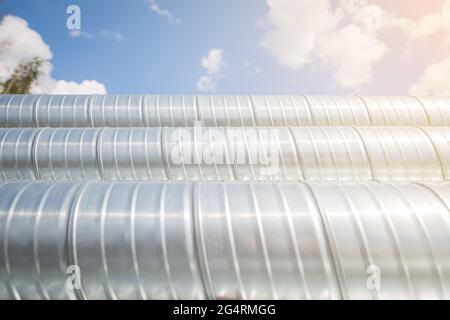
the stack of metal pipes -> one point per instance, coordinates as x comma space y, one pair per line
224, 197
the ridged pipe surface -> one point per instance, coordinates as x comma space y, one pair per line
440, 137
170, 111
16, 153
401, 231
116, 111
18, 111
34, 220
397, 111
226, 111
136, 240
62, 111
221, 111
437, 109
403, 153
218, 240
130, 154
197, 153
66, 154
338, 111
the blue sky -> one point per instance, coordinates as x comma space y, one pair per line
157, 56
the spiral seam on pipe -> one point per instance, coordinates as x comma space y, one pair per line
437, 151
424, 109
71, 236
366, 107
429, 158
331, 249
78, 189
397, 106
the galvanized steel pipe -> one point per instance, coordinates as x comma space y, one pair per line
293, 153
220, 111
218, 240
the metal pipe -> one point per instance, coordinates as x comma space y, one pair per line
222, 240
293, 153
218, 111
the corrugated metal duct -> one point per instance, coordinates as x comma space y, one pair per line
242, 111
440, 137
60, 111
65, 154
402, 154
223, 111
396, 111
34, 222
16, 148
293, 153
18, 111
220, 240
437, 109
370, 221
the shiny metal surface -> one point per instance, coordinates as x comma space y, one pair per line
401, 153
170, 111
62, 111
399, 233
223, 240
16, 149
17, 110
371, 219
66, 154
33, 232
218, 111
264, 154
136, 241
282, 111
116, 111
438, 110
198, 153
396, 111
441, 190
338, 111
131, 154
221, 111
332, 153
440, 137
262, 241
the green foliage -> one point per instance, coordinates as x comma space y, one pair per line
23, 77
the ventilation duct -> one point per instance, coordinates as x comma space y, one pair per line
235, 111
217, 240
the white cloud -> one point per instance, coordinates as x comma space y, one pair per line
212, 63
343, 36
344, 40
206, 83
19, 45
162, 12
351, 68
85, 87
432, 23
434, 81
296, 28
